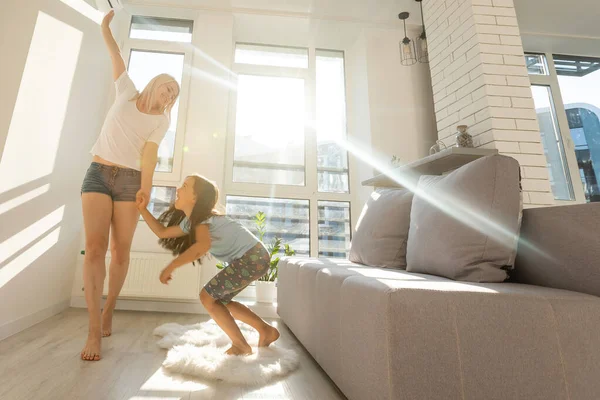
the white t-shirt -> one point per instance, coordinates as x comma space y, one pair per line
126, 129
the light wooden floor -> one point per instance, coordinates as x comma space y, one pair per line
43, 363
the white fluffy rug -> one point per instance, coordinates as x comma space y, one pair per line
199, 350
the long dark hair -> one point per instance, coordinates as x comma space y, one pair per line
207, 198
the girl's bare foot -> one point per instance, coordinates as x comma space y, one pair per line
268, 336
239, 351
91, 351
107, 315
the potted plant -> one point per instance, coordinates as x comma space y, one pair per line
266, 287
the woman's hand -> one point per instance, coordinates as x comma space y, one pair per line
165, 275
108, 18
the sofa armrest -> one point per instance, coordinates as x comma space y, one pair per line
560, 248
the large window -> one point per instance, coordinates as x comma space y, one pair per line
165, 29
558, 170
332, 163
536, 64
566, 96
334, 229
161, 198
152, 50
579, 82
275, 56
285, 146
145, 65
269, 135
286, 219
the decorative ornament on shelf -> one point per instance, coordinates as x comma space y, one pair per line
437, 147
421, 40
463, 139
407, 46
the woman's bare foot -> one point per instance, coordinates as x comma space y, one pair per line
107, 315
91, 351
268, 336
239, 351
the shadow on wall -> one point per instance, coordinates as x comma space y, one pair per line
59, 107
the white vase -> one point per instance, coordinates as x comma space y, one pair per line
266, 292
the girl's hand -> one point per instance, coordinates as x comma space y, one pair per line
141, 200
165, 275
108, 18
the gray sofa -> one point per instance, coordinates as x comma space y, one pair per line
383, 333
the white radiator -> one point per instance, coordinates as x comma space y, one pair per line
142, 279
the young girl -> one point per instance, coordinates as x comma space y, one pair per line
124, 159
193, 228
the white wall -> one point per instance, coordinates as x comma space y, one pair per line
55, 80
400, 99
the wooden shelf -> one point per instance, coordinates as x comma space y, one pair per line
440, 163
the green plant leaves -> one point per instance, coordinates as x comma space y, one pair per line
274, 248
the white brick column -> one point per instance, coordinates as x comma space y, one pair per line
479, 79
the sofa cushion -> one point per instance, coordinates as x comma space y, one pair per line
465, 225
421, 339
560, 248
296, 285
382, 230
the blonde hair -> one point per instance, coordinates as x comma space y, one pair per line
148, 94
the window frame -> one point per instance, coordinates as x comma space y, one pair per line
349, 173
310, 190
268, 215
160, 46
158, 18
156, 184
551, 81
349, 223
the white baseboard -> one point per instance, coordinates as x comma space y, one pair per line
263, 310
28, 321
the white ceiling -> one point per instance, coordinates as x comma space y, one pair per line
559, 17
555, 17
377, 11
560, 27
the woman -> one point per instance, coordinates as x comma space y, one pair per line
124, 159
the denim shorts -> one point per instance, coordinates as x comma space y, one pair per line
121, 184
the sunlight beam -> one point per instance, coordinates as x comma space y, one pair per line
161, 382
20, 240
200, 74
451, 206
19, 264
24, 198
204, 56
